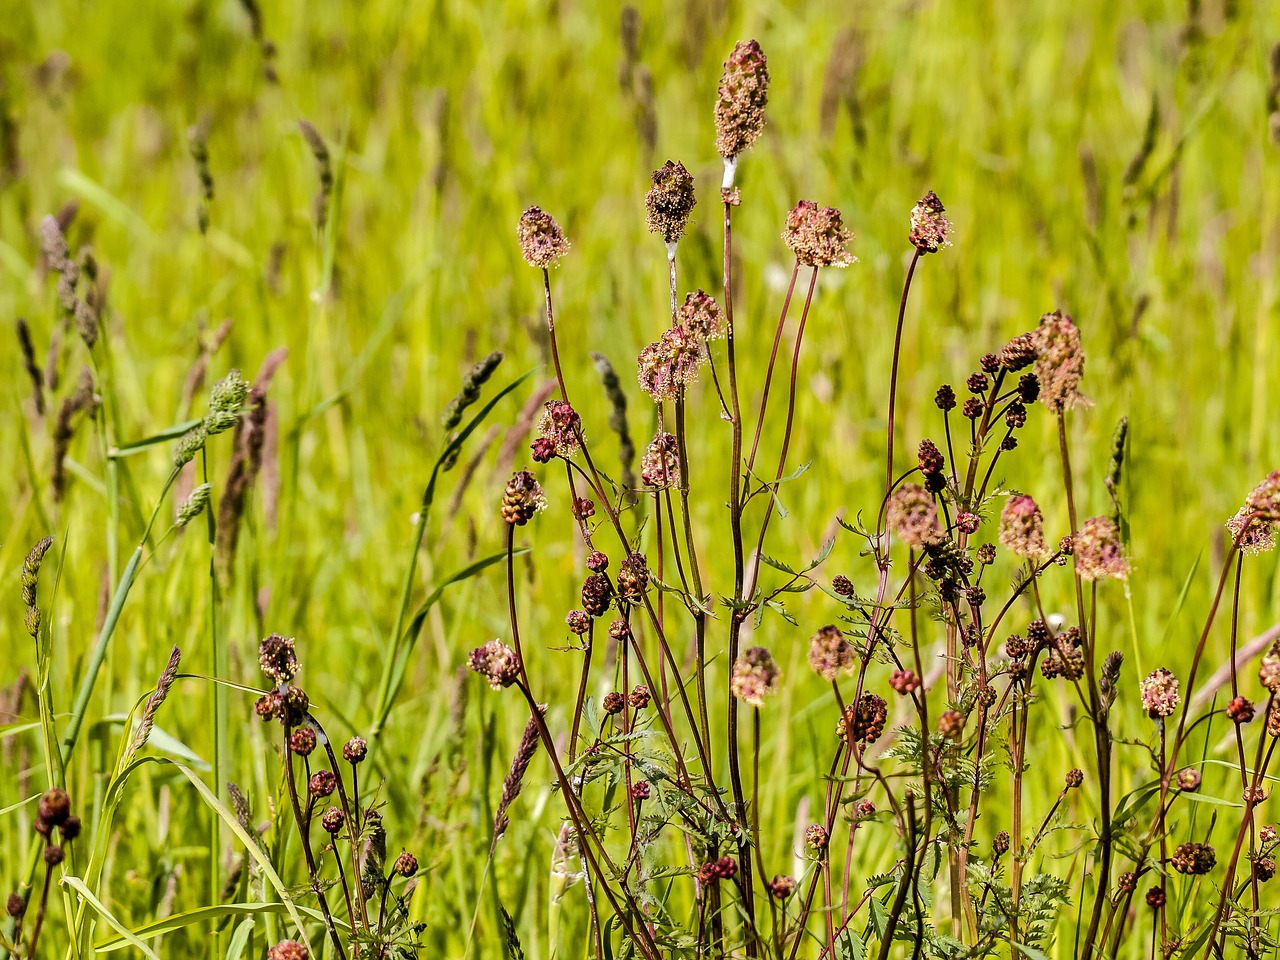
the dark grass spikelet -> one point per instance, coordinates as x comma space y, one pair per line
324, 170
469, 393
254, 13
514, 780
31, 570
197, 143
85, 401
29, 364
618, 419
154, 702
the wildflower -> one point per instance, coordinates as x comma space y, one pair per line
700, 315
583, 508
1264, 499
597, 562
70, 828
1099, 552
287, 950
1127, 882
816, 837
1264, 868
639, 697
781, 887
1160, 693
1065, 657
619, 629
945, 398
830, 652
522, 498
1022, 528
1018, 353
1240, 710
269, 705
740, 101
986, 554
755, 676
1251, 533
1273, 719
930, 457
977, 383
640, 790
1267, 833
904, 681
15, 906
989, 363
864, 721
302, 741
865, 808
54, 854
669, 364
913, 516
1074, 778
322, 783
278, 658
842, 585
633, 577
613, 703
1059, 361
577, 621
542, 242
1000, 845
496, 662
817, 236
660, 465
1189, 779
967, 522
951, 724
670, 201
1028, 388
597, 593
354, 750
1194, 858
560, 426
1155, 898
929, 228
333, 820
406, 865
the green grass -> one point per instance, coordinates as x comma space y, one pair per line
445, 120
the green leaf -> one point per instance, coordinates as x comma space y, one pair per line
164, 436
849, 945
76, 884
239, 939
1031, 952
158, 928
21, 803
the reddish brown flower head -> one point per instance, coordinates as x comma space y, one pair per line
930, 457
700, 315
818, 236
522, 498
542, 242
1099, 552
951, 724
613, 702
1269, 669
1018, 354
1022, 529
670, 201
496, 662
597, 594
287, 950
830, 653
740, 100
55, 807
660, 465
333, 820
1194, 858
1264, 499
354, 750
816, 837
302, 741
755, 676
913, 516
597, 562
904, 681
930, 228
1059, 362
669, 364
560, 426
1155, 898
781, 887
640, 790
1251, 533
1075, 778
967, 522
1000, 845
1240, 710
639, 697
864, 721
1160, 695
1264, 868
278, 659
322, 783
406, 865
578, 622
1189, 779
633, 577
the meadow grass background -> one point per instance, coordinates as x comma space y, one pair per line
1108, 158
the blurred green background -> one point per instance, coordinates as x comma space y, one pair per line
1111, 159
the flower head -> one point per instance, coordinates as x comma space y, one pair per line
929, 227
1059, 362
660, 466
670, 201
302, 741
560, 426
1022, 528
1193, 858
333, 820
700, 316
278, 658
817, 236
863, 721
542, 242
633, 578
1160, 693
741, 98
1269, 669
406, 865
830, 653
913, 516
755, 676
287, 950
322, 783
1251, 533
354, 750
522, 498
496, 662
670, 363
1099, 552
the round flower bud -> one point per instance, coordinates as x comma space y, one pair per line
406, 865
322, 783
333, 820
354, 750
542, 242
55, 807
287, 950
302, 741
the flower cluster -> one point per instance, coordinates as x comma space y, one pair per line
1022, 529
542, 242
496, 662
929, 227
660, 465
741, 98
755, 676
830, 653
670, 201
818, 236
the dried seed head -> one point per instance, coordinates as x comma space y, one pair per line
542, 242
613, 702
278, 658
929, 227
522, 498
1022, 529
1019, 353
287, 950
322, 783
354, 750
1159, 691
333, 820
496, 662
302, 741
755, 676
670, 201
830, 653
741, 98
913, 516
863, 721
817, 236
1001, 843
700, 315
660, 465
816, 837
1194, 858
1059, 362
1075, 778
55, 807
1099, 552
670, 363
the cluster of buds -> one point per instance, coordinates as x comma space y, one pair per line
722, 869
597, 594
1159, 691
496, 662
1059, 362
660, 465
669, 202
904, 682
816, 837
542, 242
781, 887
522, 498
287, 950
1194, 859
54, 813
863, 721
913, 516
930, 229
669, 364
755, 676
559, 431
1022, 529
633, 578
1099, 551
1065, 656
